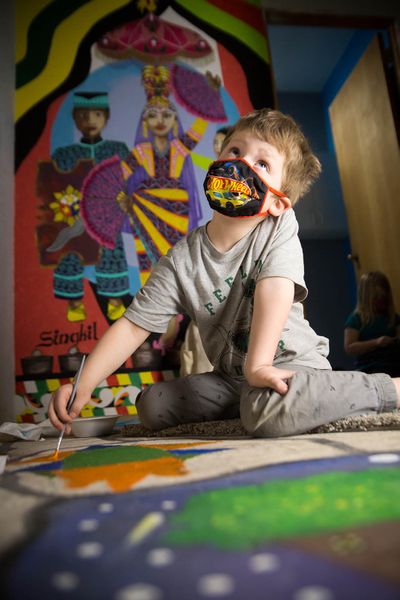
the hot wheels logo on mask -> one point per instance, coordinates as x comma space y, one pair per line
222, 184
235, 189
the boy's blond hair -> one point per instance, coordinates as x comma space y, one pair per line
301, 166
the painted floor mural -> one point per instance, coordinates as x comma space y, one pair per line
102, 522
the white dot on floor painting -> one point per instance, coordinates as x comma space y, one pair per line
384, 458
89, 550
139, 591
314, 592
264, 563
88, 525
168, 505
160, 557
65, 581
105, 507
216, 584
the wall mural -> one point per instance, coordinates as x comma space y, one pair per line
119, 109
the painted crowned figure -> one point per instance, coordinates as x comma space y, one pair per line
155, 185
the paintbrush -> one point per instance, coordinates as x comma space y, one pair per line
70, 402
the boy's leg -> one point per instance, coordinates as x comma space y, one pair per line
315, 397
191, 399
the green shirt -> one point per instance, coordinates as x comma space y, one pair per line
374, 329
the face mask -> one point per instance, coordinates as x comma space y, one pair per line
234, 189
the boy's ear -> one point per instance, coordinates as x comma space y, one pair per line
279, 206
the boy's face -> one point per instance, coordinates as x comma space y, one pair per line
263, 157
90, 122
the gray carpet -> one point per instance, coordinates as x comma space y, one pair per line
234, 428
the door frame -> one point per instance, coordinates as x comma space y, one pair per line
390, 55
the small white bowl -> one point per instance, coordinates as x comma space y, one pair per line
93, 426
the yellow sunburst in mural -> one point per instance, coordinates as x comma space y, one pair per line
66, 206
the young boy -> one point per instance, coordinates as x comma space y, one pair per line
240, 278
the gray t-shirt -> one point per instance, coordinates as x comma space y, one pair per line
216, 290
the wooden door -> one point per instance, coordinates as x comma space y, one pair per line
368, 156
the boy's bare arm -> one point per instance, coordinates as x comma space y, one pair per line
272, 302
114, 347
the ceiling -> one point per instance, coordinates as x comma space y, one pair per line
303, 58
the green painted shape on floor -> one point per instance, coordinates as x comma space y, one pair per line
96, 457
242, 517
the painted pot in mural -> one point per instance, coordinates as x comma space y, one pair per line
69, 363
37, 364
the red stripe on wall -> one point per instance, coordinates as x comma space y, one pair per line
235, 81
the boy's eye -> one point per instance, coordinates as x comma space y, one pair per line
263, 165
234, 151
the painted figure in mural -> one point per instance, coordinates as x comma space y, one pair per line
159, 173
90, 112
219, 137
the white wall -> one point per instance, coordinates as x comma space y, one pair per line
7, 78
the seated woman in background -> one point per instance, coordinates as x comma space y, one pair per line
372, 331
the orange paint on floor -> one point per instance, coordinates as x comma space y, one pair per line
121, 477
48, 459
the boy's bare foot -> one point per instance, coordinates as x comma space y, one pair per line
396, 381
